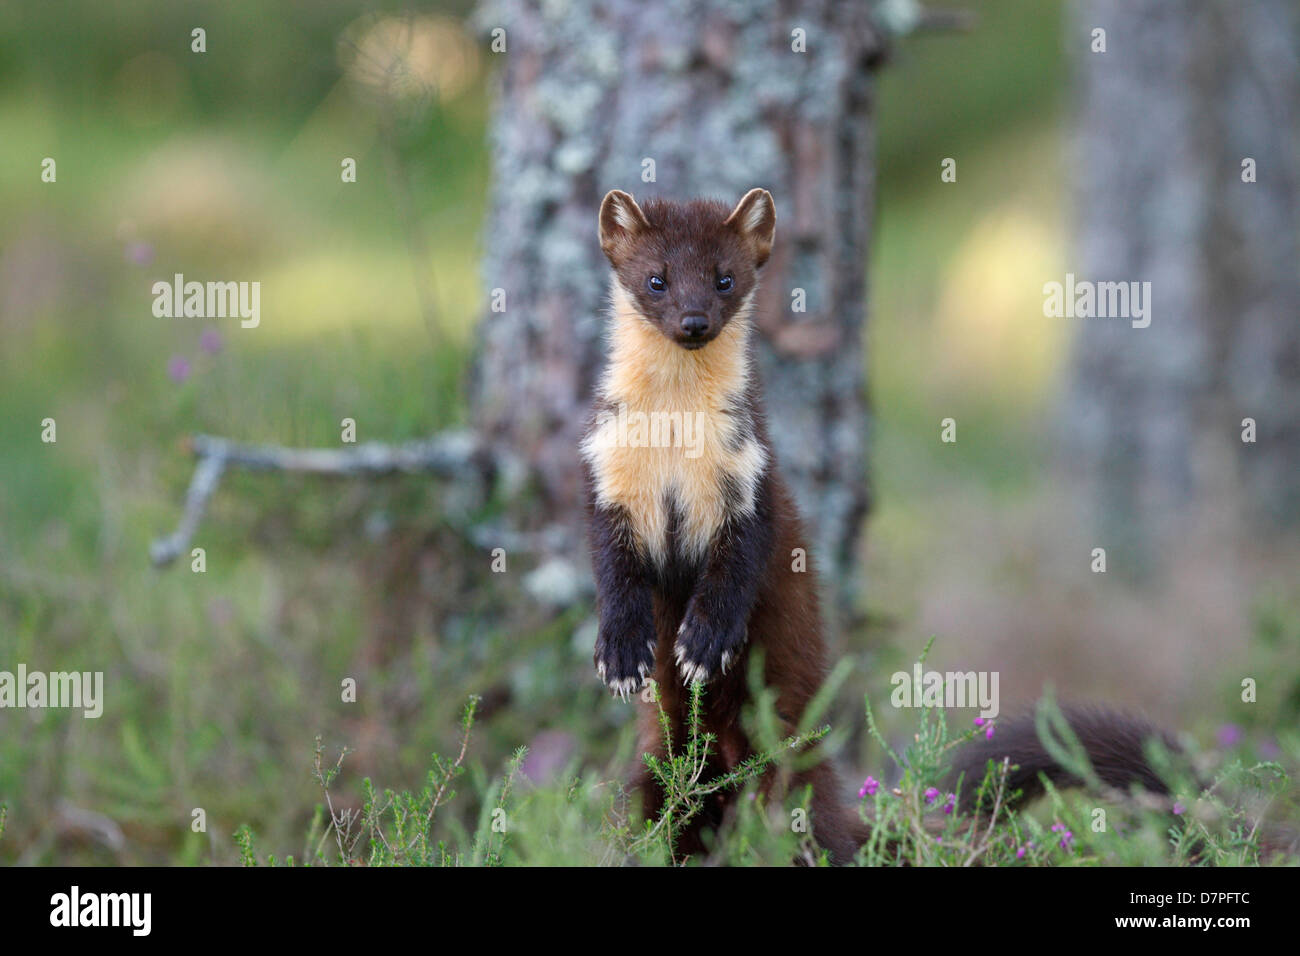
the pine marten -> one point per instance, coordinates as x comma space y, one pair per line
698, 549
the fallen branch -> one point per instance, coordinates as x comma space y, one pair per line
455, 454
904, 17
937, 20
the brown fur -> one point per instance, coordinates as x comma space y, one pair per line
786, 625
649, 374
682, 535
693, 553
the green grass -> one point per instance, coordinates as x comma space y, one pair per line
584, 820
220, 684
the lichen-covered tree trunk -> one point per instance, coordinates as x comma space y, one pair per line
683, 99
1186, 92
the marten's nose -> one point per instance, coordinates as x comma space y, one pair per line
695, 323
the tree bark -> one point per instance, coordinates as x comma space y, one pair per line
715, 96
1186, 91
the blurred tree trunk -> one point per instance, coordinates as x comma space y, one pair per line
1186, 91
712, 93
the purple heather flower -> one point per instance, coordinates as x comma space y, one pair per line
1067, 841
1020, 854
220, 611
178, 369
988, 734
1268, 749
979, 721
869, 787
951, 804
210, 341
139, 253
1179, 809
931, 795
1229, 735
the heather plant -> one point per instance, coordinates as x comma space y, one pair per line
681, 776
584, 818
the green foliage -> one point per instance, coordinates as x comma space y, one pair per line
244, 840
680, 775
586, 821
395, 828
912, 825
219, 683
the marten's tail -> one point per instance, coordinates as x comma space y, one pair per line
1116, 745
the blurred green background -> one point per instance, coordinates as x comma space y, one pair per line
218, 683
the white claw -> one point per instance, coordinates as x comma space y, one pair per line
625, 688
692, 673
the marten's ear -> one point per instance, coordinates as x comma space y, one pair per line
620, 221
755, 219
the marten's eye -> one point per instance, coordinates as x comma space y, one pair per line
656, 283
723, 283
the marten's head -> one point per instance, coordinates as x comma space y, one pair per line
689, 267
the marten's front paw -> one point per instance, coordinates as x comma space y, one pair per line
625, 665
704, 650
